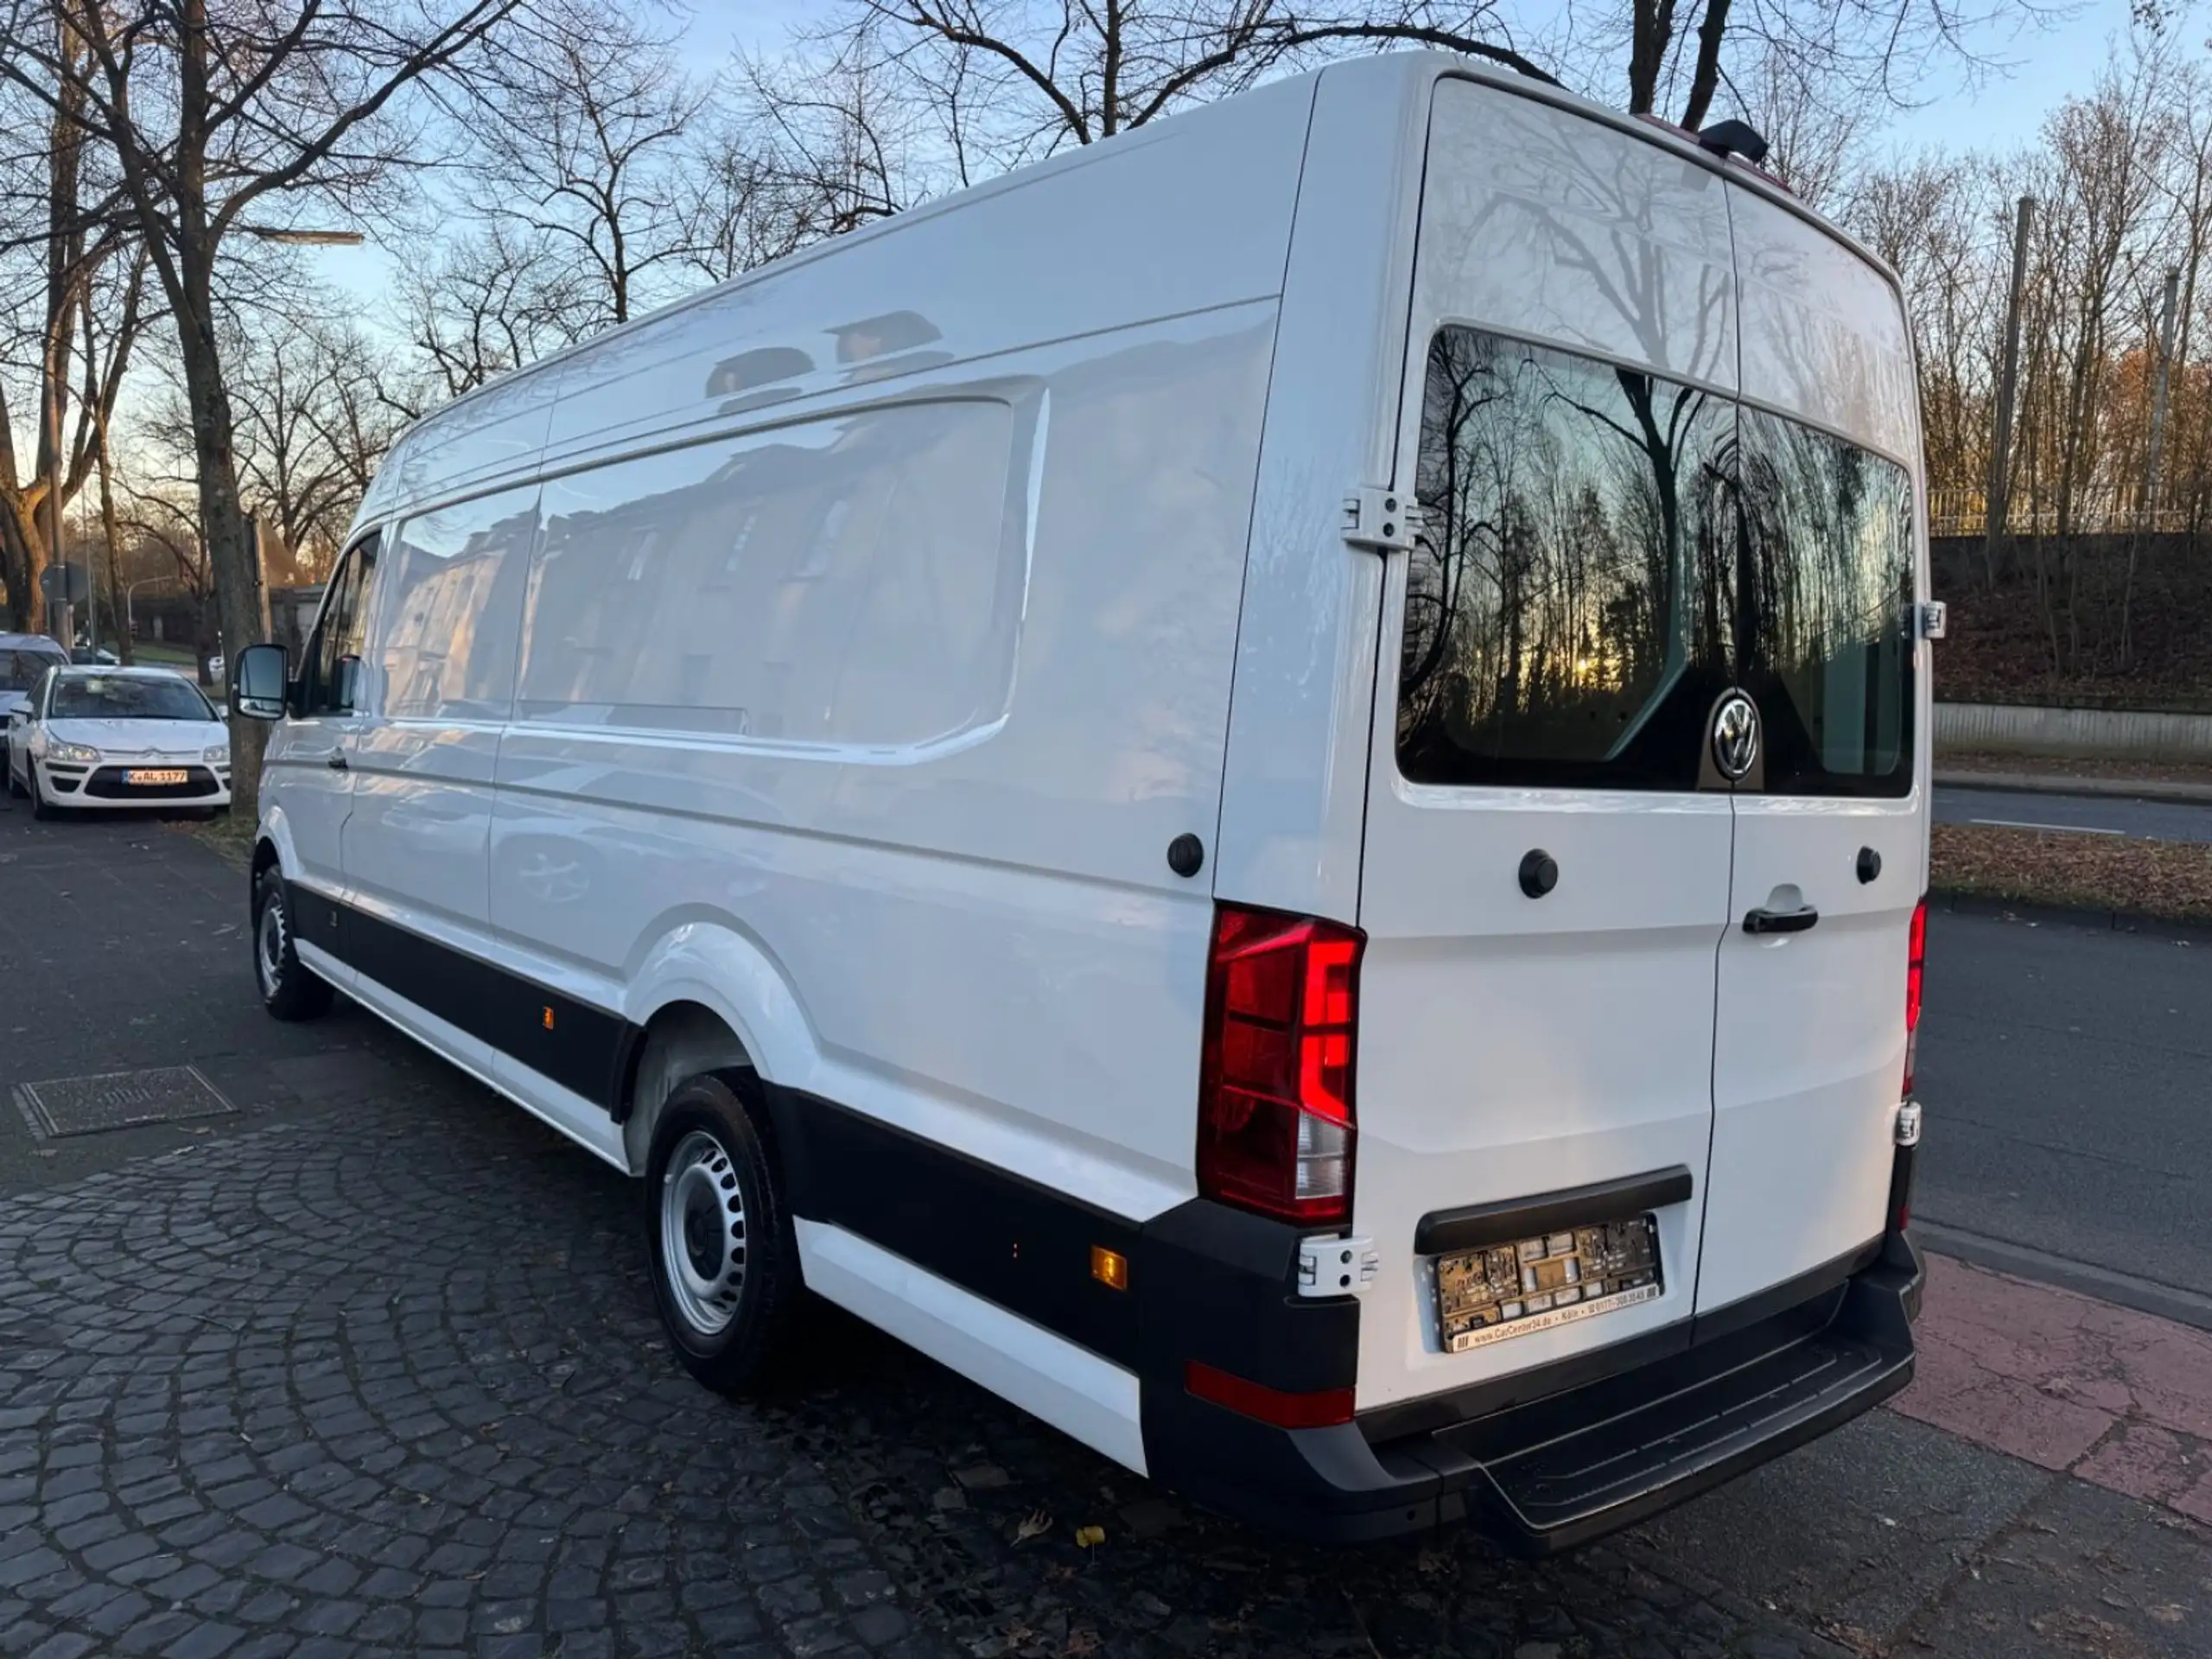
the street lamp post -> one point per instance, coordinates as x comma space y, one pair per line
130, 617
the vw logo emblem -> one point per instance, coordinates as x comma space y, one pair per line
1735, 736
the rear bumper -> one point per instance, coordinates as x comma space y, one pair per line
1552, 1472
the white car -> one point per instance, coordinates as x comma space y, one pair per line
24, 657
1270, 792
110, 738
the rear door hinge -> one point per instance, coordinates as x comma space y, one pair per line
1382, 521
1336, 1267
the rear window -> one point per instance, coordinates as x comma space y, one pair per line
127, 698
1605, 552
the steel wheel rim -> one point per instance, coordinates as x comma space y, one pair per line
703, 1233
269, 946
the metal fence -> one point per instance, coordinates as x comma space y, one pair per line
2096, 512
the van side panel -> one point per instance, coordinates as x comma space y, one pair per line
1163, 222
966, 887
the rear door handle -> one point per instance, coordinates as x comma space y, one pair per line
337, 763
1780, 921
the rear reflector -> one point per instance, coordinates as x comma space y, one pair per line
1317, 1410
1275, 1120
1916, 956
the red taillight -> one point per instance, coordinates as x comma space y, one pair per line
1275, 1119
1915, 956
1316, 1410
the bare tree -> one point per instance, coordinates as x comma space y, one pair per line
581, 153
1864, 50
1010, 80
213, 114
61, 276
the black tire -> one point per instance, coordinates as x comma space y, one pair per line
714, 1198
289, 989
14, 789
41, 809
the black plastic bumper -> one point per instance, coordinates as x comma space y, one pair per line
1552, 1471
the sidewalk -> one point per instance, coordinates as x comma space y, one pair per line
2177, 782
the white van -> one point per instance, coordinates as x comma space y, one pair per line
1264, 786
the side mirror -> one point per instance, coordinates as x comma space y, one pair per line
258, 682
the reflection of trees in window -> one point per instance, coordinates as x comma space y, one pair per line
1568, 585
1824, 595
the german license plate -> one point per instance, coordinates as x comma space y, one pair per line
153, 775
1536, 1284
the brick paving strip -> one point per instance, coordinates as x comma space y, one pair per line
2116, 1397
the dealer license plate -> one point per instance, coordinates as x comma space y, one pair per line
155, 775
1535, 1284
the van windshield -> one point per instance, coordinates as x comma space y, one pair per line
1605, 552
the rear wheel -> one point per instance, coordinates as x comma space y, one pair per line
725, 1265
289, 989
14, 789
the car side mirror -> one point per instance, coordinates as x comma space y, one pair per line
258, 682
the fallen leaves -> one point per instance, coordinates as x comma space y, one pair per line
1035, 1524
2170, 878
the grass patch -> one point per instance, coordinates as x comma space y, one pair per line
2168, 878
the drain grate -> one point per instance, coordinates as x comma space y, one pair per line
120, 1100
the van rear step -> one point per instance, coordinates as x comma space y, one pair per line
1559, 1471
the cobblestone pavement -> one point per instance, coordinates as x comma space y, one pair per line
371, 1367
389, 1377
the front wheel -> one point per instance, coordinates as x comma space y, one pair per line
41, 809
289, 989
725, 1265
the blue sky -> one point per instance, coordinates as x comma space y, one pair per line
2048, 63
2046, 66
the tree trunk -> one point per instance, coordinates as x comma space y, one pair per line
224, 527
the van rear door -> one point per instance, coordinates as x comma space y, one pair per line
1808, 1045
1546, 874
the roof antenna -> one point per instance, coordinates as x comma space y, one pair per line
1734, 138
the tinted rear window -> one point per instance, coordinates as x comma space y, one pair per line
1564, 619
1824, 637
1605, 552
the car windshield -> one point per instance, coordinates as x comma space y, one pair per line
103, 697
19, 669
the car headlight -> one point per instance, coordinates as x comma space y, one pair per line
217, 754
74, 754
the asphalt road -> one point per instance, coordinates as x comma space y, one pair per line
2119, 815
2067, 1072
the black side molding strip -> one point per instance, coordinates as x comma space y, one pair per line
1478, 1224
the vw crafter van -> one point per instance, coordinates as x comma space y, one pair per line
1266, 785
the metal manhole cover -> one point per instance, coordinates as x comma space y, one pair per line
119, 1100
